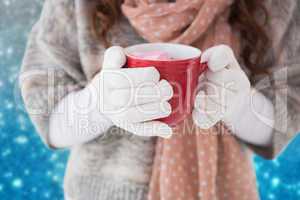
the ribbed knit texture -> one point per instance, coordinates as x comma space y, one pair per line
100, 188
63, 48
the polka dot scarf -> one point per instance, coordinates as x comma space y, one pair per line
201, 23
200, 164
194, 163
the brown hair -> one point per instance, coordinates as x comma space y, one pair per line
250, 17
106, 15
244, 17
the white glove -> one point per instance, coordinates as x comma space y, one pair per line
225, 94
132, 97
223, 87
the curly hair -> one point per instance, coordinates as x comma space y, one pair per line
249, 17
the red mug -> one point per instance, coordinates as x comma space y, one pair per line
182, 72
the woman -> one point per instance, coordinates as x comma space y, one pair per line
61, 76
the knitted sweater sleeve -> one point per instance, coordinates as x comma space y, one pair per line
51, 73
282, 86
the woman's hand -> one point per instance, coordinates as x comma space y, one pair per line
225, 94
132, 97
223, 88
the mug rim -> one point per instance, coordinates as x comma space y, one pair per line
128, 51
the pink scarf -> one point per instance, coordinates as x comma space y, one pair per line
194, 163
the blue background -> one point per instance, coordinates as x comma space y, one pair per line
30, 171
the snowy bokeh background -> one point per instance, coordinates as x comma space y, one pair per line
28, 170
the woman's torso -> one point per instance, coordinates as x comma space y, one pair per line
118, 164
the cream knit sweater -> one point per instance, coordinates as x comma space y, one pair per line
63, 55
